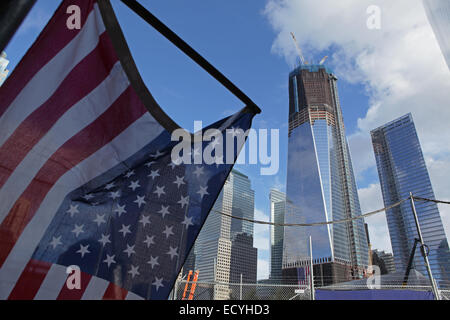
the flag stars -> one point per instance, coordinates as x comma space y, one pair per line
104, 239
129, 250
73, 210
83, 250
149, 241
153, 261
100, 219
56, 242
125, 230
179, 181
172, 252
184, 201
78, 229
159, 191
149, 164
87, 197
109, 260
134, 185
145, 220
140, 201
109, 186
114, 195
158, 283
130, 174
203, 192
134, 271
120, 209
157, 155
164, 210
198, 171
154, 174
168, 231
187, 222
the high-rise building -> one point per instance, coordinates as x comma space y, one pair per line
277, 209
438, 12
388, 260
3, 64
222, 240
320, 181
401, 169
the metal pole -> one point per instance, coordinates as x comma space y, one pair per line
311, 270
240, 294
12, 13
422, 249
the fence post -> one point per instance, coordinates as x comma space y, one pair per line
311, 270
422, 249
240, 291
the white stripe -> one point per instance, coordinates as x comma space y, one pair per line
133, 296
122, 147
74, 120
45, 82
95, 289
53, 283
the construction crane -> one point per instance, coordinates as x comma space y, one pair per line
302, 59
323, 60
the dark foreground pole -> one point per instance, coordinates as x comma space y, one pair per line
12, 13
422, 250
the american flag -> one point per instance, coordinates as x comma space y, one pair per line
86, 174
303, 276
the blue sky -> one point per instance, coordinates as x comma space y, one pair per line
249, 43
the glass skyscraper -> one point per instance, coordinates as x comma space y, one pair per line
320, 180
277, 210
401, 168
438, 12
224, 240
3, 64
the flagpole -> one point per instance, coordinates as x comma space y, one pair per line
12, 13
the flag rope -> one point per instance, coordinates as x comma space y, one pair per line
329, 222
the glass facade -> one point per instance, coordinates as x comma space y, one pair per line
213, 248
438, 12
320, 180
401, 168
3, 64
277, 209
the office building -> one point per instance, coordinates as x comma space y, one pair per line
3, 64
438, 13
277, 209
320, 182
402, 169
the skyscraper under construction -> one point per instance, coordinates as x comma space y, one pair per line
320, 183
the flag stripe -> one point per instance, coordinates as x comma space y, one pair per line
116, 119
30, 280
43, 85
78, 117
95, 289
114, 292
126, 144
53, 38
32, 129
133, 296
75, 294
54, 280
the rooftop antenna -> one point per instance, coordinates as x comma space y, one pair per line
299, 51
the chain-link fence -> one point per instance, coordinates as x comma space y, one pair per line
259, 291
237, 291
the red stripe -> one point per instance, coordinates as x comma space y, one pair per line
30, 280
122, 113
74, 294
86, 76
52, 39
114, 292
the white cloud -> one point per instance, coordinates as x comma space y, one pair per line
401, 66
